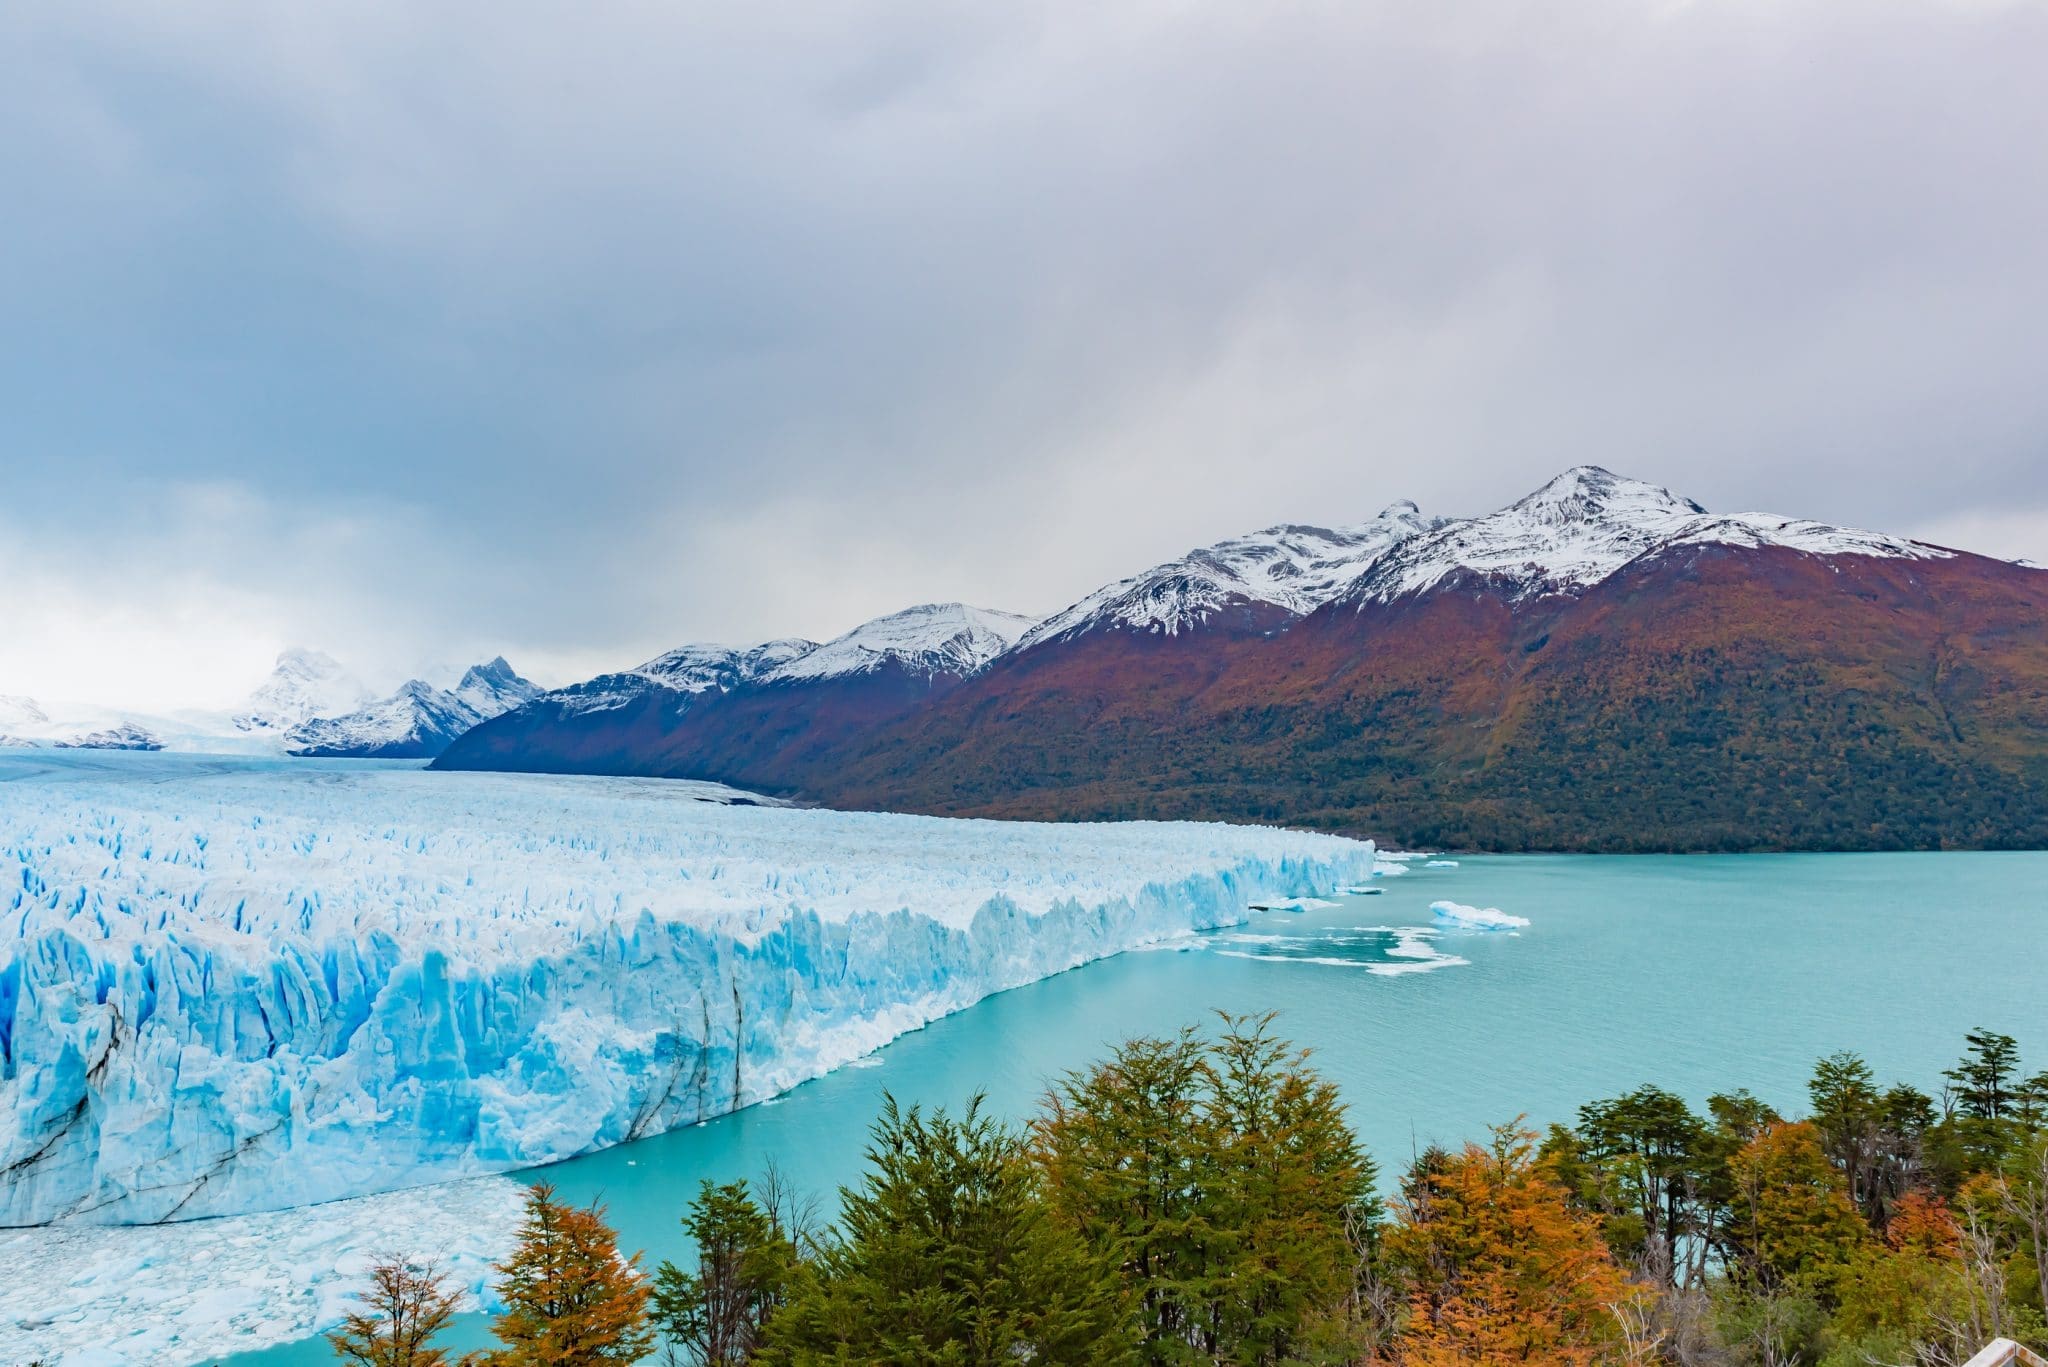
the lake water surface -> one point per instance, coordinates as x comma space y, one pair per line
1698, 973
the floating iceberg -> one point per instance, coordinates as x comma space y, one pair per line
1441, 864
233, 985
1475, 918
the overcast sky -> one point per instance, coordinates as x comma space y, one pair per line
422, 332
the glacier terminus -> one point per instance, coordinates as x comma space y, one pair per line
233, 985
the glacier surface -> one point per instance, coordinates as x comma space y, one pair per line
238, 985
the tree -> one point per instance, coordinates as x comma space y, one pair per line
1222, 1181
570, 1299
1502, 1268
1795, 1226
2023, 1193
1872, 1137
1654, 1157
1984, 1079
947, 1254
408, 1303
745, 1263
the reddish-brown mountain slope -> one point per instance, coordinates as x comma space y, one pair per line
1708, 697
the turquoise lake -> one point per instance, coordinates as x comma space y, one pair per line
1698, 973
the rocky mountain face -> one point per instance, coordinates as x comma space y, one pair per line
1602, 665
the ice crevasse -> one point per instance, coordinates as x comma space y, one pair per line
229, 987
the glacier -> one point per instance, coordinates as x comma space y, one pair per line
234, 985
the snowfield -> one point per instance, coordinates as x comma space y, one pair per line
240, 985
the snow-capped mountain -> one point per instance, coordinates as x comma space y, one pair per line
1294, 568
19, 712
305, 684
696, 668
1602, 664
416, 722
931, 639
685, 708
1584, 525
82, 726
126, 736
494, 687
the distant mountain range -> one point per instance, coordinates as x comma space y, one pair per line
309, 705
1602, 665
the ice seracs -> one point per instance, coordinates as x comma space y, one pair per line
237, 986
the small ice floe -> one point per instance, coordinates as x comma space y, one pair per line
1180, 943
867, 1061
1363, 892
1441, 864
1382, 869
1416, 954
1462, 917
1291, 904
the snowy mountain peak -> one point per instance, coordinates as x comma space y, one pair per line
1294, 567
930, 639
1584, 525
305, 684
418, 720
702, 667
16, 710
488, 689
1591, 494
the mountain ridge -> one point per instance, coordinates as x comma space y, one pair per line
1440, 686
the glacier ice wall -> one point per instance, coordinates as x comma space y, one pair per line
230, 986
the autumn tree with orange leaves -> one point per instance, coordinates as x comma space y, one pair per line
570, 1298
1501, 1268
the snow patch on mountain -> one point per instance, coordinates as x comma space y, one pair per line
237, 985
418, 721
1584, 525
19, 712
703, 668
495, 687
126, 736
930, 639
305, 684
1296, 568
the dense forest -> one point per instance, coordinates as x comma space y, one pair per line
1201, 1200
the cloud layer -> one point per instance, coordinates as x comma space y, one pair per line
417, 332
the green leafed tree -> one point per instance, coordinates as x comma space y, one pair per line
947, 1256
1220, 1178
712, 1316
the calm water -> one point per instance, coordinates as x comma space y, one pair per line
1697, 973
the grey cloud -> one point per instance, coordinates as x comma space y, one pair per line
650, 322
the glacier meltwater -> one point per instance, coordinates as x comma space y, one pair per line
239, 985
